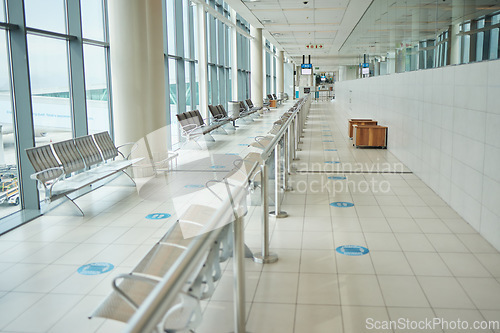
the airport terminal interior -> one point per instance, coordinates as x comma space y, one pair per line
292, 166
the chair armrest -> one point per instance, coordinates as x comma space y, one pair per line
35, 175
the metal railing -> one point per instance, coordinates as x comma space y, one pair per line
288, 136
151, 312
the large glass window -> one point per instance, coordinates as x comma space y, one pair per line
2, 11
171, 27
494, 38
96, 88
9, 190
47, 15
48, 58
92, 19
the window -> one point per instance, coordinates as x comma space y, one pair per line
92, 19
2, 11
47, 15
9, 190
494, 38
96, 88
171, 27
50, 93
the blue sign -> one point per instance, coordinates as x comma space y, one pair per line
194, 186
341, 204
217, 167
306, 66
332, 162
95, 268
330, 149
158, 216
337, 177
352, 250
366, 65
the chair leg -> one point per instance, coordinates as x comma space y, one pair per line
74, 203
132, 179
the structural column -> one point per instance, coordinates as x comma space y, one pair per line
256, 66
280, 84
137, 67
234, 58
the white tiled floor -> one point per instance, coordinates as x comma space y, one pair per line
424, 260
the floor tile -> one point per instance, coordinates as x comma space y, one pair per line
277, 288
484, 292
318, 318
464, 265
45, 313
364, 318
427, 264
445, 292
360, 290
414, 242
390, 263
318, 261
271, 318
318, 289
402, 291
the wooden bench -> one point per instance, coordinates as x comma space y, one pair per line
353, 122
370, 136
71, 165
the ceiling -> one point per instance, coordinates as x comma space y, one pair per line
344, 30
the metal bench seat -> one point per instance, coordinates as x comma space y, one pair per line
68, 166
193, 126
130, 290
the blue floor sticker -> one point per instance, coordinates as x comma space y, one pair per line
194, 186
341, 204
95, 268
243, 144
332, 162
352, 250
327, 140
217, 167
330, 149
158, 216
232, 154
337, 177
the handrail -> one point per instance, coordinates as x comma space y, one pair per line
266, 153
153, 309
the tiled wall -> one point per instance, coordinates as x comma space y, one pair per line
444, 124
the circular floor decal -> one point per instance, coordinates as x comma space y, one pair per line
330, 149
332, 162
327, 140
217, 167
341, 204
158, 216
337, 177
232, 154
95, 268
243, 144
352, 250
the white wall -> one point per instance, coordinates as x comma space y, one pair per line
444, 124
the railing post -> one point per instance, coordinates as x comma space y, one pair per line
239, 275
286, 159
277, 168
265, 257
